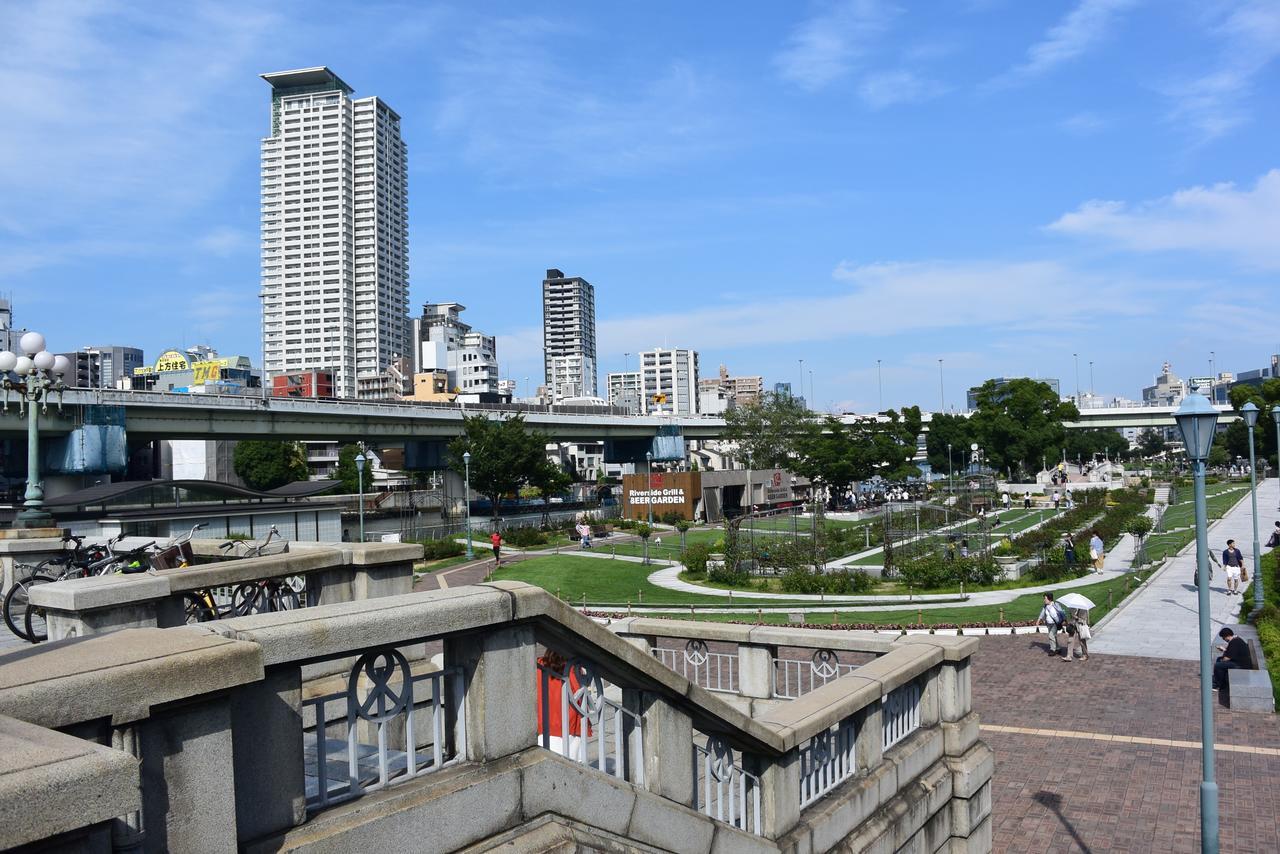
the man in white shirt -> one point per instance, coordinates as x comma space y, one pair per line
1052, 615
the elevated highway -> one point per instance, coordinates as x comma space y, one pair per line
165, 415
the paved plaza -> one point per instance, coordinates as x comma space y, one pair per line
1104, 756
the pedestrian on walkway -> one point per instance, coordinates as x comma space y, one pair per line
1233, 560
1056, 499
1078, 634
1069, 550
1052, 616
1071, 501
1026, 500
495, 539
1097, 551
1004, 499
1235, 656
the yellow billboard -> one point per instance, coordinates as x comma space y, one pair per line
202, 372
172, 360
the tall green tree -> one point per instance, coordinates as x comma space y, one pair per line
768, 431
1083, 444
269, 464
346, 472
1150, 442
505, 455
835, 455
549, 479
1236, 437
1020, 423
948, 431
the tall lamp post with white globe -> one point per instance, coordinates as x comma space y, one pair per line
38, 373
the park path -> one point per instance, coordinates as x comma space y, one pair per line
1162, 619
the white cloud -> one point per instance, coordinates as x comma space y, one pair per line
224, 241
1242, 224
827, 46
1083, 124
884, 89
889, 299
1214, 103
519, 107
1079, 30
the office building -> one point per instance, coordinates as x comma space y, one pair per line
737, 390
971, 397
443, 342
391, 383
102, 367
1258, 376
624, 391
569, 335
335, 265
669, 381
1167, 390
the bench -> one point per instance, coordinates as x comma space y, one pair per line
1250, 690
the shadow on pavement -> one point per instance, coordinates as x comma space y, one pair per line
1053, 801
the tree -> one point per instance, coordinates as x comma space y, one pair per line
952, 430
835, 454
505, 455
1236, 436
549, 479
767, 430
346, 472
1020, 423
1150, 442
1083, 444
266, 464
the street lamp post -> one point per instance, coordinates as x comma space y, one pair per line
1076, 357
648, 485
360, 460
1197, 419
39, 373
942, 390
1275, 415
880, 384
1250, 413
466, 497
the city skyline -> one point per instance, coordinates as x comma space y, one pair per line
812, 191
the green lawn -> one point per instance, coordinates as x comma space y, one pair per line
1105, 595
604, 581
1221, 497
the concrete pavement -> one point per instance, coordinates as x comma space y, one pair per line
1161, 621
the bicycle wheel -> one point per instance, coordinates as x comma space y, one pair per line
33, 624
15, 605
197, 608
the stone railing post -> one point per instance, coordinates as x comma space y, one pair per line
868, 748
755, 670
645, 643
779, 792
955, 693
501, 689
270, 776
668, 745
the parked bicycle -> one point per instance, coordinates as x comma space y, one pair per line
250, 597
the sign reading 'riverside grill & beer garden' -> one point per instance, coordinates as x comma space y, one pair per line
666, 491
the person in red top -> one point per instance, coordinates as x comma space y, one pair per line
551, 701
496, 539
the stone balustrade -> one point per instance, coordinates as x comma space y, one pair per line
341, 572
226, 737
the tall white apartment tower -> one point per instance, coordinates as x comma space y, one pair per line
569, 335
335, 247
669, 381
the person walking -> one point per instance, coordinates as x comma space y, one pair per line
1233, 561
1097, 551
1004, 499
1069, 550
1078, 634
1052, 616
495, 540
1026, 500
1057, 498
1071, 501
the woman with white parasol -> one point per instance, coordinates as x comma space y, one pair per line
1078, 633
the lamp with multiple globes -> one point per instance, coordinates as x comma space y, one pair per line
33, 375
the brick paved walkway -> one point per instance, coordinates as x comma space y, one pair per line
1111, 792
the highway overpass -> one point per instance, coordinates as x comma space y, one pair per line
164, 415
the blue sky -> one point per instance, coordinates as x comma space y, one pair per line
995, 183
